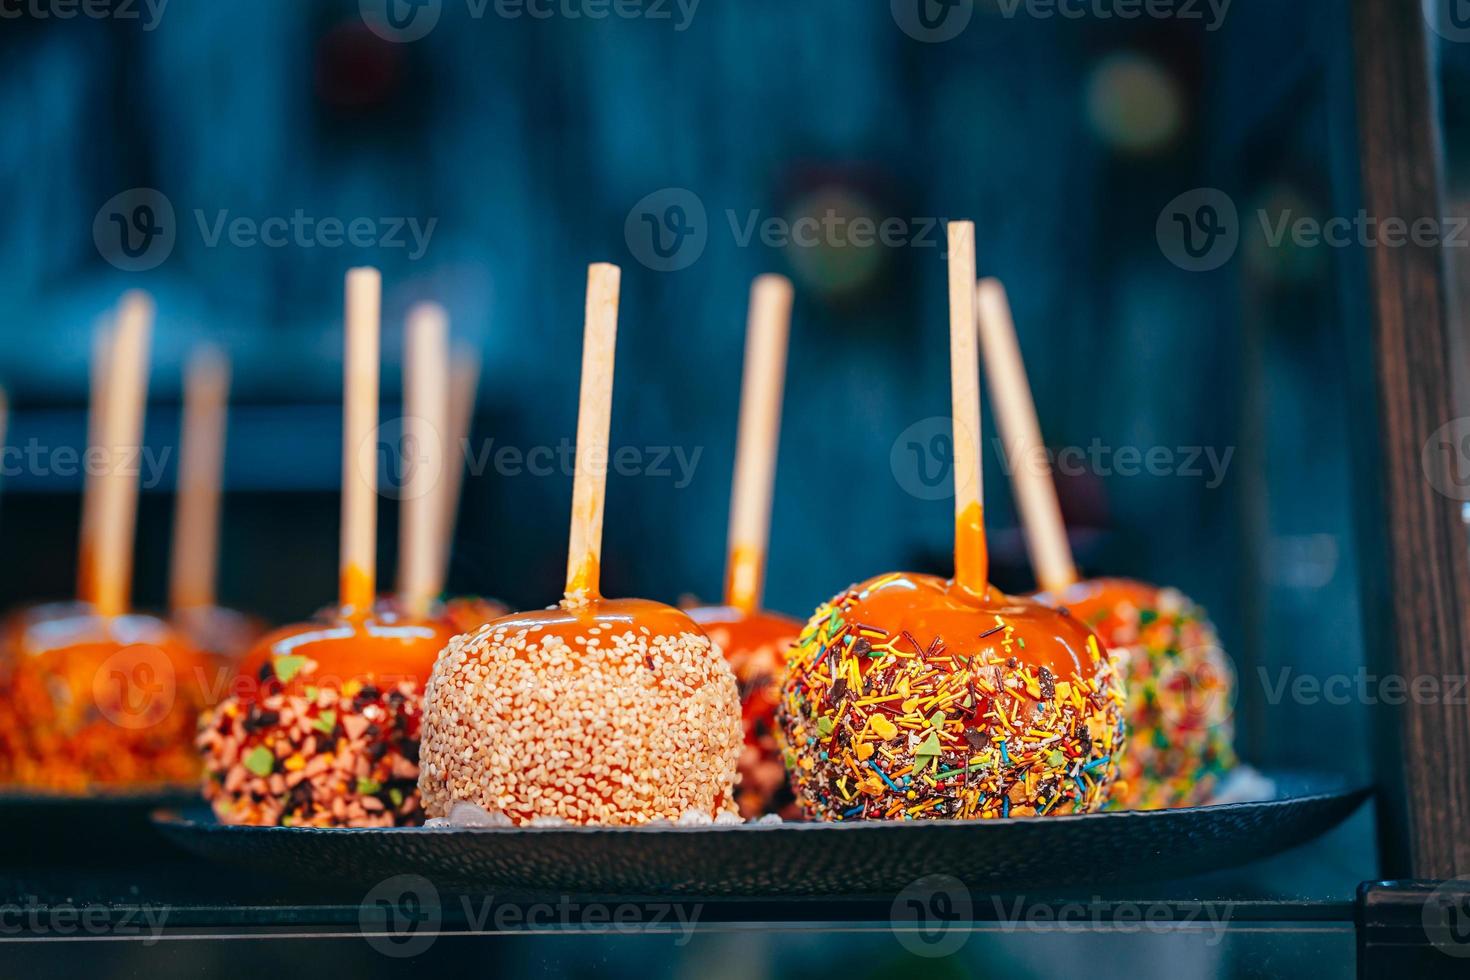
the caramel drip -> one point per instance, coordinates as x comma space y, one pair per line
356, 589
927, 608
743, 579
971, 558
570, 620
584, 580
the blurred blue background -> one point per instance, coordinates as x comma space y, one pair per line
527, 147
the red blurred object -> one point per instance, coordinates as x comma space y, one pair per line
356, 69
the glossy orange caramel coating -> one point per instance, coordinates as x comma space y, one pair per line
573, 621
1099, 601
603, 711
101, 703
461, 614
1180, 688
755, 646
971, 551
929, 607
909, 697
363, 648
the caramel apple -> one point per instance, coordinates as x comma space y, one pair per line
753, 641
1178, 680
914, 697
596, 711
322, 724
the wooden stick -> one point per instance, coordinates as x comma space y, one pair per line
126, 391
594, 415
759, 435
464, 381
96, 402
971, 562
1015, 415
425, 423
357, 567
195, 558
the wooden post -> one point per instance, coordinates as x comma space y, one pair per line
1412, 545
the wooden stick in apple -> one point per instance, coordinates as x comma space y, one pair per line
357, 565
594, 415
425, 426
96, 396
464, 382
971, 561
195, 558
126, 391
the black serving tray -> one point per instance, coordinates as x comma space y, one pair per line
102, 827
793, 858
